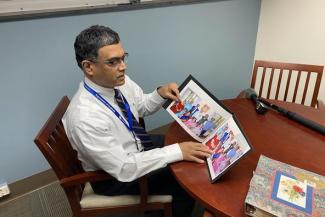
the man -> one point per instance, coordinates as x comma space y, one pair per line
207, 126
202, 111
194, 109
202, 120
102, 123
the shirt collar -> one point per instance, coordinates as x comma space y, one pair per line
105, 91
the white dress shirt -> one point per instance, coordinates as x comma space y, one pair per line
104, 142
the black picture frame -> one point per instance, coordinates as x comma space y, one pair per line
236, 140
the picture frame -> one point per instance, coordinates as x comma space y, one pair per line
209, 121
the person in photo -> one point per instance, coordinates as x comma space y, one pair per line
177, 107
191, 122
207, 126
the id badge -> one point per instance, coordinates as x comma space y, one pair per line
138, 144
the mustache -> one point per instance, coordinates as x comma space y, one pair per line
121, 76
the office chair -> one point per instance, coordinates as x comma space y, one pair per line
56, 148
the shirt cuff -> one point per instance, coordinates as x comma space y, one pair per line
157, 98
174, 153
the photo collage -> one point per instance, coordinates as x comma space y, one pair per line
228, 145
197, 115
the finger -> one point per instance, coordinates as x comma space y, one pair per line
202, 150
201, 147
171, 96
176, 93
176, 96
206, 150
195, 159
203, 154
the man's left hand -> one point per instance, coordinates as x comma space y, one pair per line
169, 91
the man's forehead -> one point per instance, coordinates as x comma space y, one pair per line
111, 51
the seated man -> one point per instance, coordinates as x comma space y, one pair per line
102, 123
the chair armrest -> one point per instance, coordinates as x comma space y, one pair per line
321, 105
102, 175
85, 177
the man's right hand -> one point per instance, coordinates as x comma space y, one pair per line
194, 151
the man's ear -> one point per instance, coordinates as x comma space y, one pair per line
88, 67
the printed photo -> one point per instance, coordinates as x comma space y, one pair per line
197, 113
228, 146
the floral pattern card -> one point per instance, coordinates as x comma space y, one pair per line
292, 192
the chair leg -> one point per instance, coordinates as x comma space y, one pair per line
168, 210
207, 213
76, 215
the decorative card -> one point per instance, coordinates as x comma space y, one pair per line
292, 192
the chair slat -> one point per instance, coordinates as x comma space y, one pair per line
296, 87
279, 83
270, 84
305, 88
262, 82
287, 86
316, 88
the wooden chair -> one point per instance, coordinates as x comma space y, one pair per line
56, 148
292, 79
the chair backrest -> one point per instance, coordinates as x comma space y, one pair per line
56, 148
286, 81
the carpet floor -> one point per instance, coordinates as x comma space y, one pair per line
50, 201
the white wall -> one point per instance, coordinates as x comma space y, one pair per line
292, 31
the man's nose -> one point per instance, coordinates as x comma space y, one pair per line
122, 66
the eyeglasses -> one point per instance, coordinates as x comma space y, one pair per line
116, 61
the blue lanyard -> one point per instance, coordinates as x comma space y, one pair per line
108, 105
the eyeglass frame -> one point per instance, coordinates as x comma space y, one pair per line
115, 61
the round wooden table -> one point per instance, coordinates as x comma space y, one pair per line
272, 135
